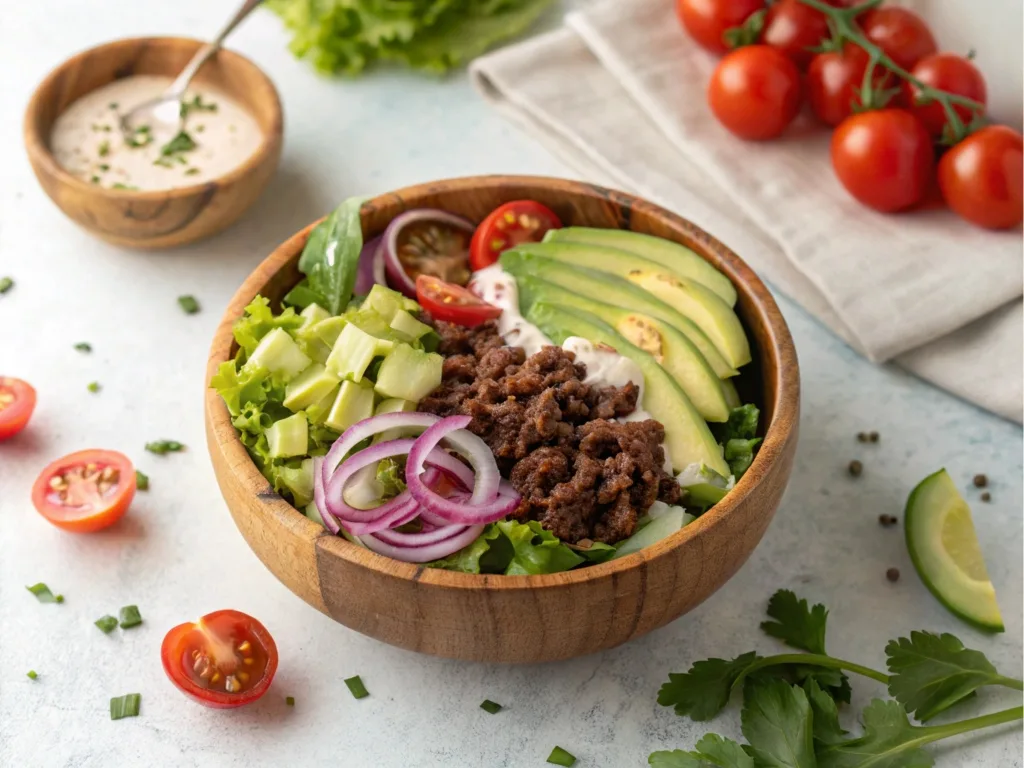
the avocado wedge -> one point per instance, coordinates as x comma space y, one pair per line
609, 289
678, 258
672, 350
700, 304
687, 437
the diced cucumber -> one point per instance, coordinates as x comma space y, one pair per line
318, 412
408, 326
309, 387
328, 330
299, 480
409, 374
352, 353
313, 314
665, 524
387, 302
288, 437
394, 405
353, 404
278, 353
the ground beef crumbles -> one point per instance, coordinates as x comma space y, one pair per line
581, 474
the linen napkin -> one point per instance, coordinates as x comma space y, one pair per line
618, 94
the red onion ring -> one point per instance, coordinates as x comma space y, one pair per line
434, 536
366, 274
330, 523
367, 428
395, 270
397, 517
426, 553
335, 488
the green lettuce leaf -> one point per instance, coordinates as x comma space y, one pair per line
258, 321
738, 436
391, 476
515, 549
330, 260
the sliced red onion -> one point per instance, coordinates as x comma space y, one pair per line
365, 277
426, 553
398, 517
396, 274
380, 275
421, 539
335, 487
330, 523
367, 428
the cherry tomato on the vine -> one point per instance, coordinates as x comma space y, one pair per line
946, 72
794, 27
708, 20
884, 158
900, 33
755, 92
833, 83
980, 177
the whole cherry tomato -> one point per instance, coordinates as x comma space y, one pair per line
946, 72
755, 92
900, 33
708, 20
794, 28
980, 177
833, 83
884, 158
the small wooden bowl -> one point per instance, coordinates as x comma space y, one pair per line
519, 618
163, 218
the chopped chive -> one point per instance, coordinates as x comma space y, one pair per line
188, 304
95, 179
490, 707
200, 128
141, 481
289, 700
107, 624
125, 706
119, 185
104, 167
356, 687
83, 346
559, 756
104, 149
58, 599
130, 617
32, 674
6, 284
94, 386
164, 446
42, 593
191, 171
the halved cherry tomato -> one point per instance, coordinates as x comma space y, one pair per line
981, 177
947, 72
226, 659
520, 221
453, 303
17, 401
755, 92
901, 34
86, 490
794, 28
708, 20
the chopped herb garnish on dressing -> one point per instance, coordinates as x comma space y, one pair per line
83, 346
356, 687
140, 138
104, 167
141, 481
161, 447
130, 617
95, 180
42, 593
119, 185
197, 105
104, 149
180, 143
125, 706
112, 105
559, 756
191, 171
189, 304
94, 386
6, 284
490, 707
106, 624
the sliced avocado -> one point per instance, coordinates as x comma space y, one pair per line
673, 351
309, 387
353, 403
687, 437
700, 304
658, 528
278, 353
732, 397
288, 437
608, 288
680, 259
409, 374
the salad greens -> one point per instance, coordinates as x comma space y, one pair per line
559, 756
490, 707
141, 481
330, 259
738, 437
346, 36
790, 717
162, 447
188, 304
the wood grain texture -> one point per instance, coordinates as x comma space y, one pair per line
520, 618
164, 218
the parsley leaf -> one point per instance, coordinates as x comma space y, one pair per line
778, 723
931, 673
889, 741
704, 691
712, 750
826, 715
795, 624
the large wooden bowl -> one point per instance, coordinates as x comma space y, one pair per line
519, 618
162, 218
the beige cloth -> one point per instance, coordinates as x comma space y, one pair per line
618, 94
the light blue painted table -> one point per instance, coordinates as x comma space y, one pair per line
178, 555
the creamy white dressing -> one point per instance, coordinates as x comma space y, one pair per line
86, 139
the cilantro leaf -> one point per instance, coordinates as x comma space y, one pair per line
826, 715
778, 723
931, 673
677, 758
889, 741
704, 691
712, 750
795, 623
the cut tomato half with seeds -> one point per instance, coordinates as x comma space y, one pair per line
508, 225
453, 303
226, 659
86, 490
17, 401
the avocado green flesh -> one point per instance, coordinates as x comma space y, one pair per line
687, 436
678, 258
732, 397
700, 305
971, 600
678, 356
607, 288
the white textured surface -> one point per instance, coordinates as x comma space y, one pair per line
178, 555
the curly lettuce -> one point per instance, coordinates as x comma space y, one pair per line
738, 437
514, 549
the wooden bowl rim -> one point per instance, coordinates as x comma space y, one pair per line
777, 434
38, 148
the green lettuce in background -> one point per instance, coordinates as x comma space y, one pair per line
346, 36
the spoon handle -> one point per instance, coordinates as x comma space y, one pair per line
177, 88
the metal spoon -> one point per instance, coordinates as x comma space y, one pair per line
165, 110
